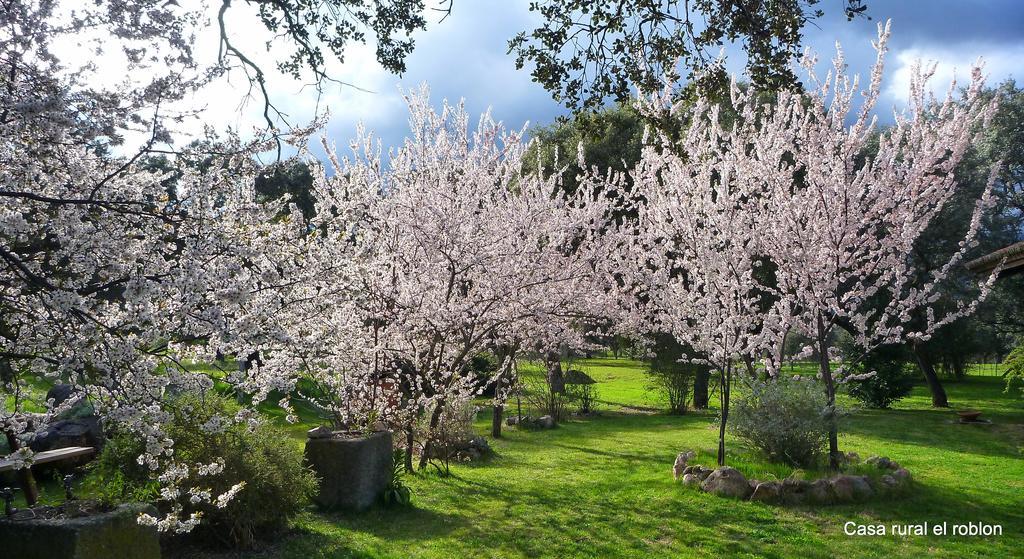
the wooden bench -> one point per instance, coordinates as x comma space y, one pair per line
55, 455
25, 478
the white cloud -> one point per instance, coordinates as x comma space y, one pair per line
1000, 62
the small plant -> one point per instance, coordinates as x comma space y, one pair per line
117, 476
583, 395
397, 493
670, 374
452, 433
541, 396
787, 420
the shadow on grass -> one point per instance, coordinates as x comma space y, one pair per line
939, 430
398, 524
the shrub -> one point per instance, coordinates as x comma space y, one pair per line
453, 431
277, 484
583, 395
1014, 364
669, 374
891, 382
785, 419
542, 396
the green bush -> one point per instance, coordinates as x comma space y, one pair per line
1014, 364
583, 395
277, 484
891, 383
670, 374
785, 419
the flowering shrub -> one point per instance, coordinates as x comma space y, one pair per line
254, 462
784, 419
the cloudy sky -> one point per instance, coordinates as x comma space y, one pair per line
464, 57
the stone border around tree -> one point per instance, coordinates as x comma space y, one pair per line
727, 481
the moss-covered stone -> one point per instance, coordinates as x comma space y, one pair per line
101, 536
353, 472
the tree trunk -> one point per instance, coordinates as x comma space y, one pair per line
700, 388
410, 440
499, 408
555, 378
748, 362
939, 399
724, 386
25, 478
504, 356
435, 418
496, 419
825, 368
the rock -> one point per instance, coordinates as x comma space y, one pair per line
690, 479
820, 492
680, 464
353, 472
85, 431
853, 457
888, 483
727, 482
479, 443
512, 420
320, 432
795, 490
99, 536
847, 488
688, 470
63, 392
546, 422
701, 472
767, 492
902, 476
77, 426
880, 462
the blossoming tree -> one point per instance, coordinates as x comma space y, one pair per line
689, 264
840, 219
455, 247
110, 277
790, 186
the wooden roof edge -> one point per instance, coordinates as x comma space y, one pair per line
1014, 255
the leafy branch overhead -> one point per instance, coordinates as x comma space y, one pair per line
587, 51
316, 31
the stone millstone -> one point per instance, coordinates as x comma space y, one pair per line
353, 472
100, 536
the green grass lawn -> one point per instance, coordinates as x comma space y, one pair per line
601, 487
